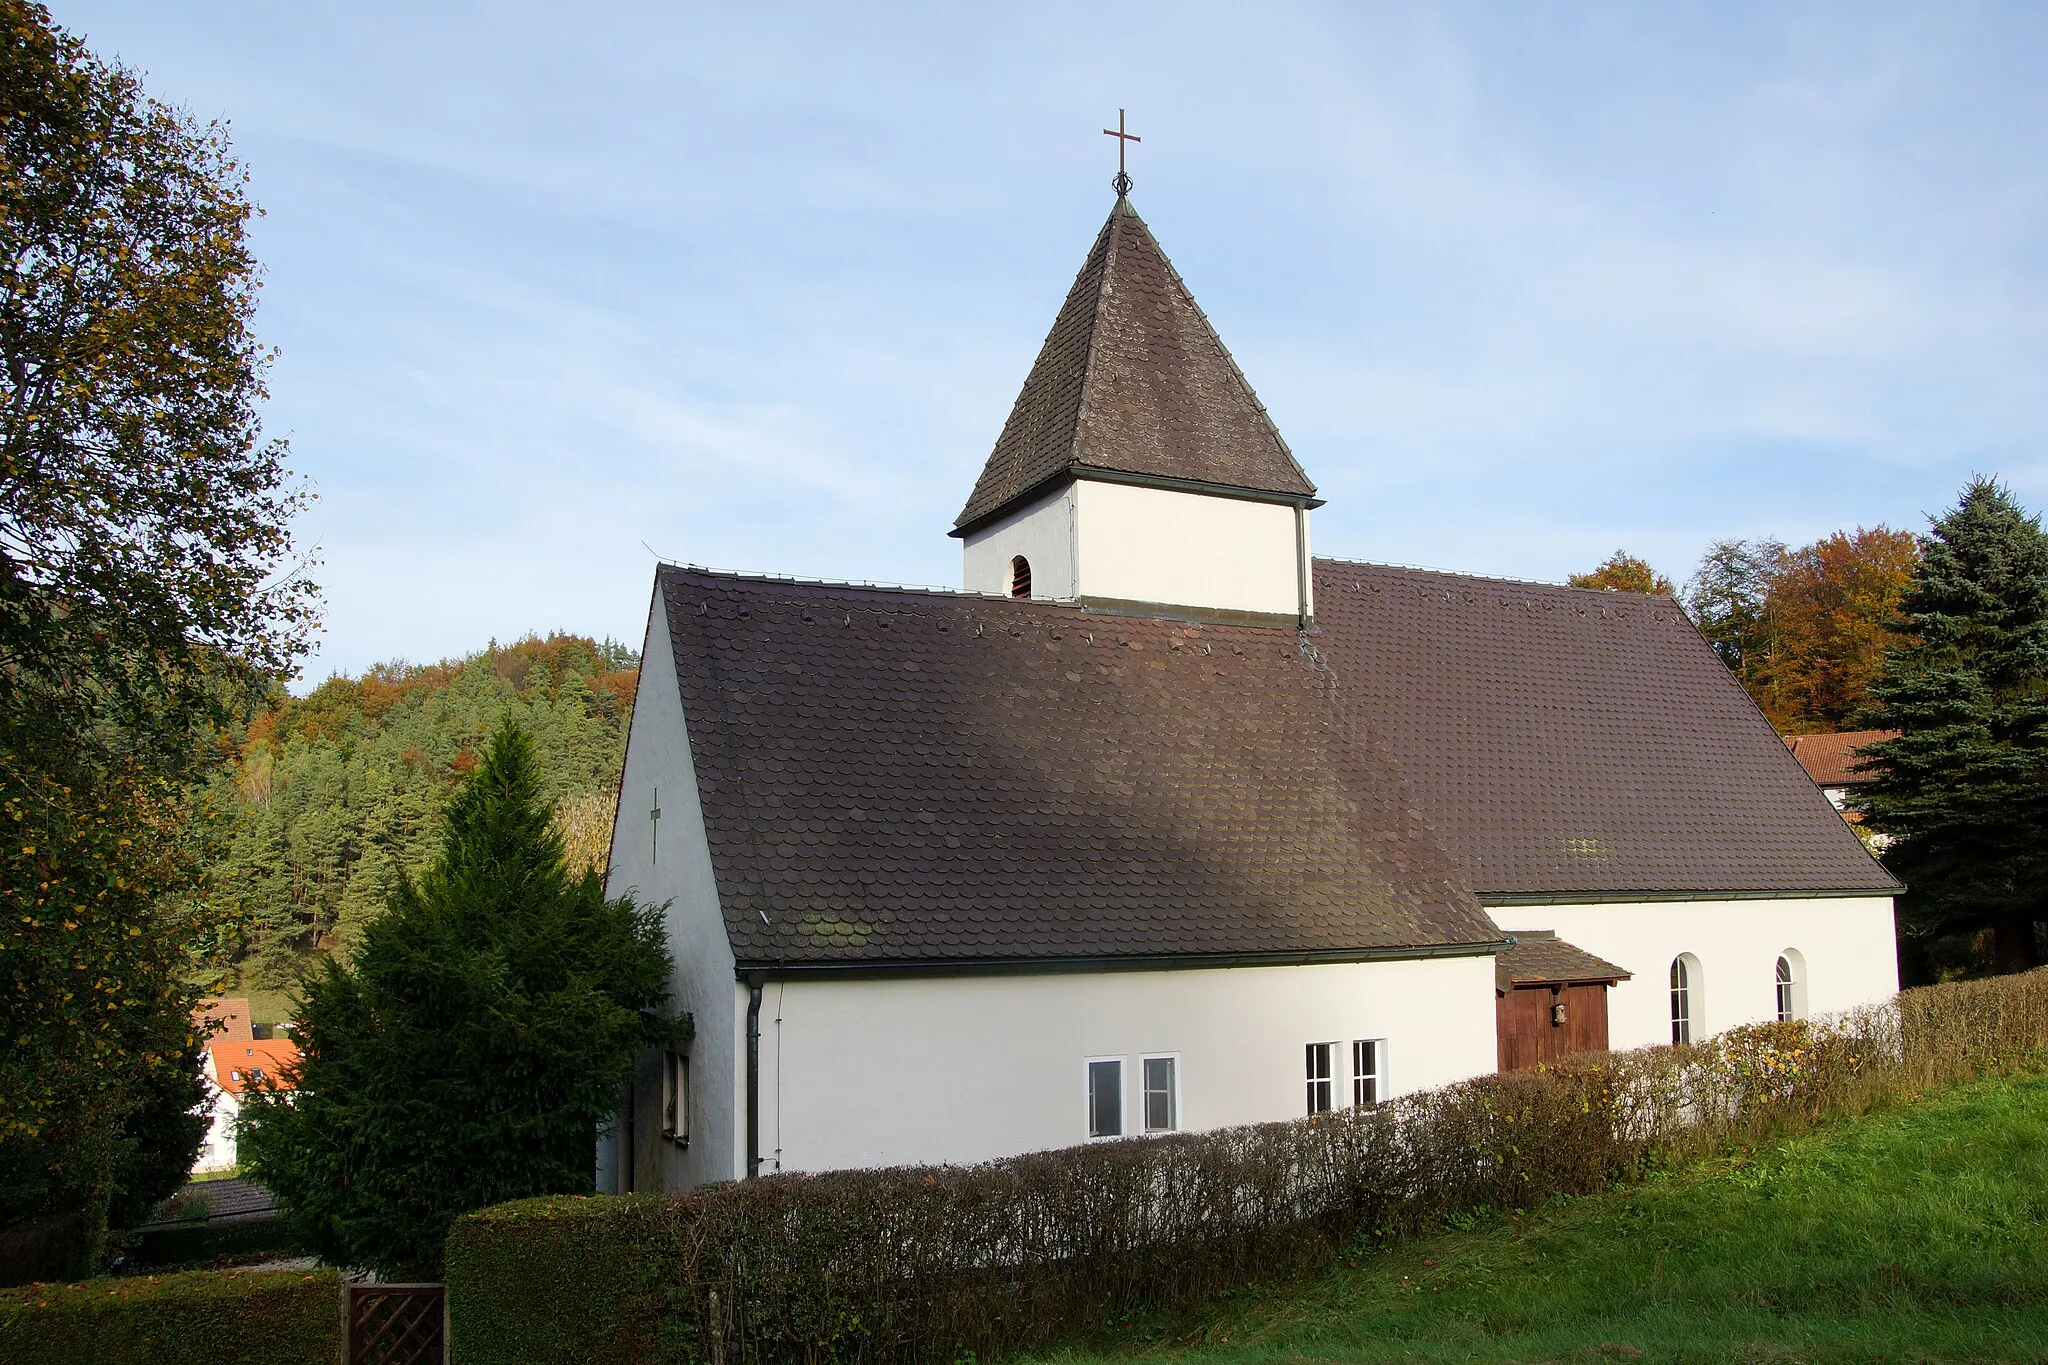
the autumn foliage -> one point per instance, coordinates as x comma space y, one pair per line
148, 577
1624, 572
330, 797
1805, 630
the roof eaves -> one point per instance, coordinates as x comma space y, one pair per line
1046, 966
1075, 469
1491, 899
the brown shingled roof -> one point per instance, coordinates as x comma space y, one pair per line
1831, 760
893, 777
1565, 742
1541, 957
232, 1012
1133, 381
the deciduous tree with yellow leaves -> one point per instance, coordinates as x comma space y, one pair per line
148, 579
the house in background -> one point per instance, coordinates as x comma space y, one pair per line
226, 1017
1164, 823
234, 1059
1831, 761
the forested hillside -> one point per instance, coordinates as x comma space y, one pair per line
327, 797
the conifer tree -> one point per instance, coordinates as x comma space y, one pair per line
467, 1052
1963, 791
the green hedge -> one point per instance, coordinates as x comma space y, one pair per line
935, 1262
203, 1317
566, 1277
204, 1241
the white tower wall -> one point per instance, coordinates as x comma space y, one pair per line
1042, 532
1127, 543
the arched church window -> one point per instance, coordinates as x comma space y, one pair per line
1791, 985
1685, 984
1020, 577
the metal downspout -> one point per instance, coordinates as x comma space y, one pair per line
625, 1181
755, 981
1301, 568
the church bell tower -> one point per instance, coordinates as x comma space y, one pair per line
1137, 469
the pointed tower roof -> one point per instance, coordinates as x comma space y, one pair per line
1134, 385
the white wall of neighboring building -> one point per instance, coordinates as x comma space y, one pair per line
660, 771
219, 1152
1847, 942
960, 1069
1189, 549
1042, 532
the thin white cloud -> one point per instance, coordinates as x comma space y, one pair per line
757, 285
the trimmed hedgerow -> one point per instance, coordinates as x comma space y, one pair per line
930, 1263
214, 1241
563, 1277
203, 1317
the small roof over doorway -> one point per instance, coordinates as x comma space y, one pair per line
1540, 958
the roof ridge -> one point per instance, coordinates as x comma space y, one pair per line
1089, 349
1608, 593
757, 576
1229, 358
1133, 380
1068, 608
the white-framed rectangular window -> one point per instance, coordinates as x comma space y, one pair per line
1105, 1097
675, 1097
1321, 1096
1161, 1077
1368, 1070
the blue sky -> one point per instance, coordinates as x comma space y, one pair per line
753, 286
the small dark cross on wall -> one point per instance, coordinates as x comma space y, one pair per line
654, 825
1122, 182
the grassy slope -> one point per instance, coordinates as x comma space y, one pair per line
1909, 1236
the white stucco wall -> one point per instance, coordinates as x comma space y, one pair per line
886, 1072
678, 871
1042, 532
1118, 541
1848, 943
1154, 545
218, 1152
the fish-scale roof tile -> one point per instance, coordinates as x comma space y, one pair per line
1568, 742
1175, 819
1133, 380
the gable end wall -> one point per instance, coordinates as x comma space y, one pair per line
679, 872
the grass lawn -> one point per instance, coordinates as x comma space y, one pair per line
269, 1006
1916, 1235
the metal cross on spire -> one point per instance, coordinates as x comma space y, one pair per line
1122, 183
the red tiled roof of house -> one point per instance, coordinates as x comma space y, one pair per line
1831, 761
232, 1011
236, 1064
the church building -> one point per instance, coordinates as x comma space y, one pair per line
1164, 824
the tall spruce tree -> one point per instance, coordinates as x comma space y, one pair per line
1963, 791
467, 1052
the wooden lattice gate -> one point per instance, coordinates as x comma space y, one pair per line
397, 1324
